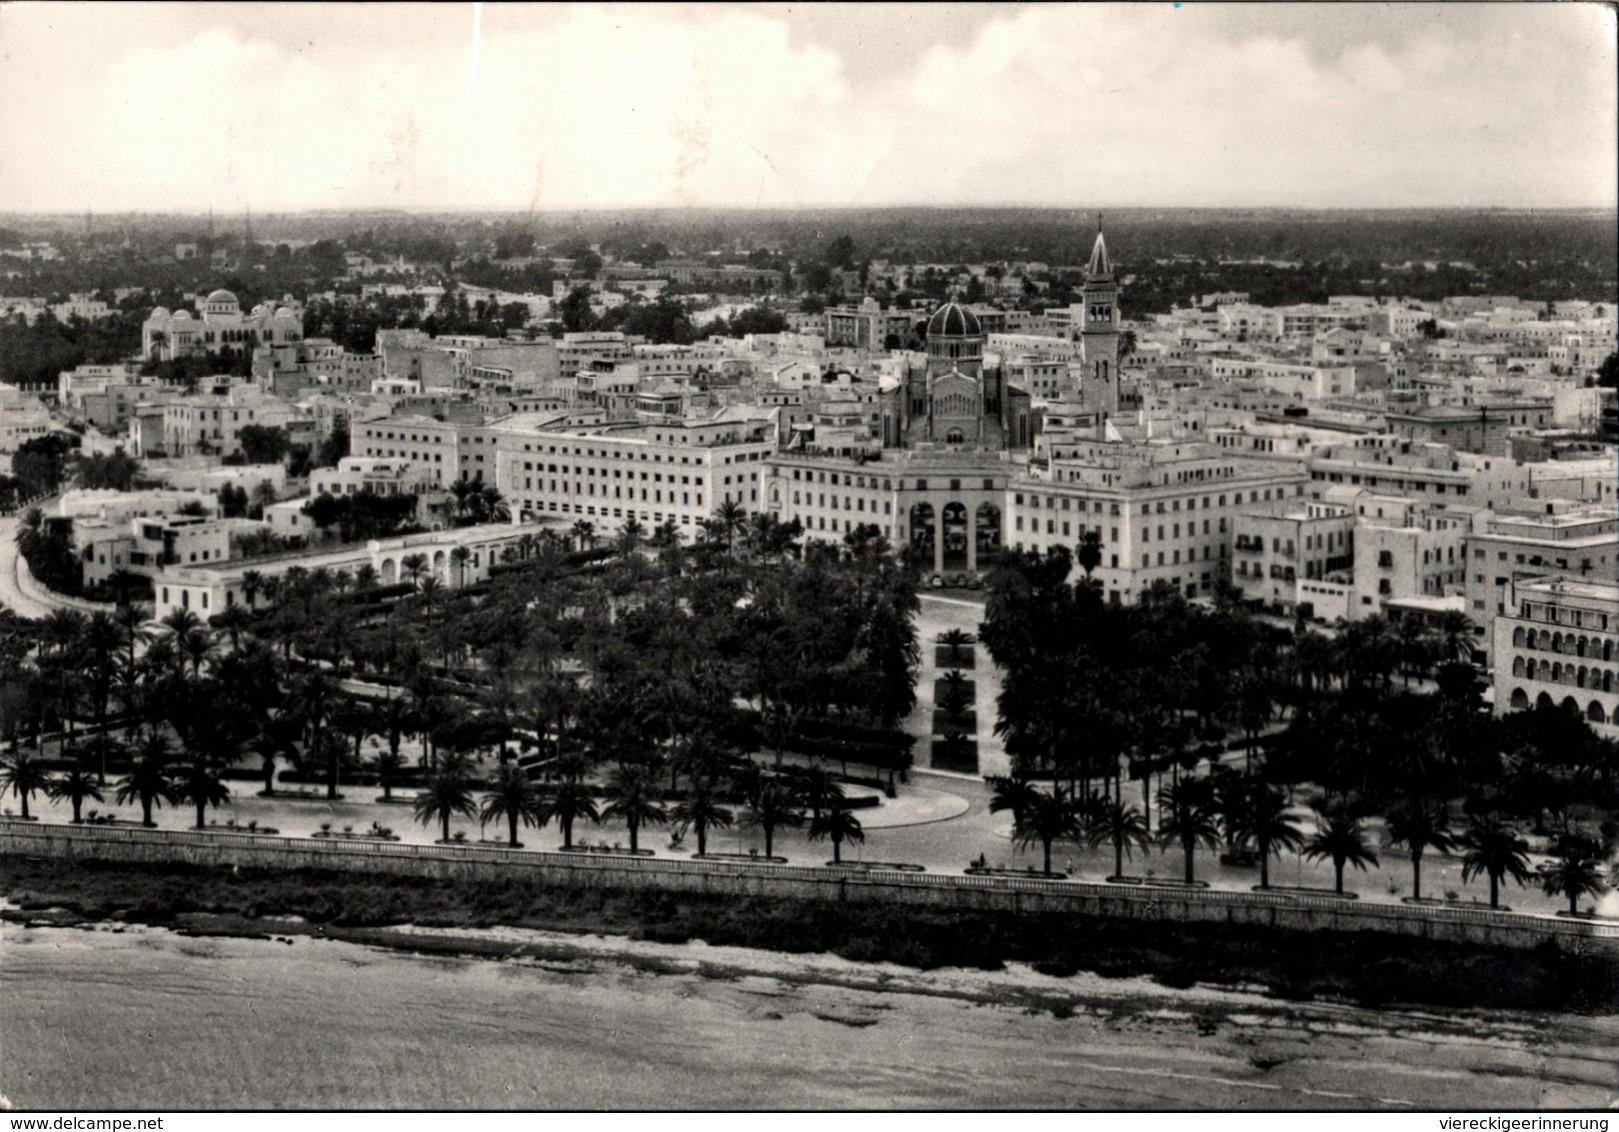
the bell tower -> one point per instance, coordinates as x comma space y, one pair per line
1099, 333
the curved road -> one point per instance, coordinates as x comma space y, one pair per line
13, 597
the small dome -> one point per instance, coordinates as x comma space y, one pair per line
283, 312
221, 296
954, 321
159, 312
182, 315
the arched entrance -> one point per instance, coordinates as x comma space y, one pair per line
955, 537
924, 536
388, 572
987, 534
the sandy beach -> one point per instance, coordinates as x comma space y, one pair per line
106, 1015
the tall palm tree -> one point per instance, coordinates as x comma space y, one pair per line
1186, 817
1045, 818
770, 807
1420, 824
148, 777
1493, 848
567, 802
632, 795
584, 534
512, 797
445, 792
701, 810
24, 775
460, 557
1576, 872
839, 825
1341, 837
730, 517
199, 783
77, 784
1123, 826
1265, 824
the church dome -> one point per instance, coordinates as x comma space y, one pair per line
954, 321
221, 296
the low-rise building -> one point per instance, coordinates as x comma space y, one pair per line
1277, 547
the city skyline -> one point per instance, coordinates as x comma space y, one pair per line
280, 108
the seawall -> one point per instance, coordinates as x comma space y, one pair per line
965, 893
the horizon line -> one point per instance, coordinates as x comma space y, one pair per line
551, 210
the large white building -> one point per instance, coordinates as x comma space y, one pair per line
605, 474
219, 325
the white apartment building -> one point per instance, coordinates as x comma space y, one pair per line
1277, 547
1165, 512
605, 474
1406, 550
1561, 538
1434, 473
1556, 644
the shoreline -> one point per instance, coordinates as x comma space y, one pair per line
487, 919
539, 1019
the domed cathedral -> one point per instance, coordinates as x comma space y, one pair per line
1099, 334
950, 401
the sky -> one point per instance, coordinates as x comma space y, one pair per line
286, 107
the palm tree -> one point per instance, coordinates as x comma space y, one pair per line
955, 640
701, 810
512, 796
445, 792
730, 517
413, 566
199, 783
1341, 837
1123, 826
76, 785
819, 788
365, 577
460, 556
770, 806
630, 536
1455, 632
180, 622
1015, 795
1420, 824
1186, 817
1264, 822
1494, 849
632, 796
567, 802
148, 777
840, 825
1577, 871
585, 534
1045, 818
24, 775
